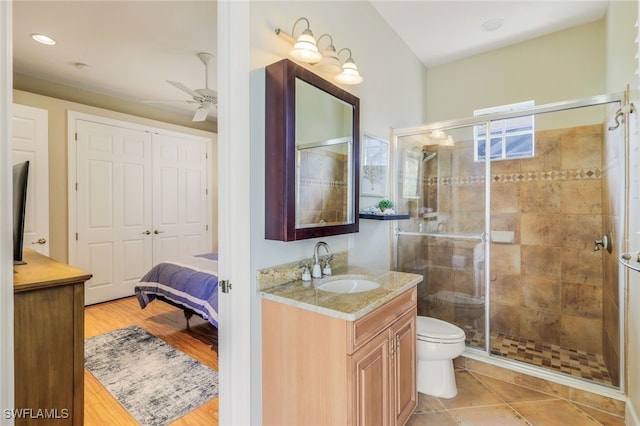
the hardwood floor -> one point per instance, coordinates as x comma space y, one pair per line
164, 321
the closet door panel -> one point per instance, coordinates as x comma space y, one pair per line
180, 197
113, 174
141, 198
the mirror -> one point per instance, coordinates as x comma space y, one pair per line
312, 155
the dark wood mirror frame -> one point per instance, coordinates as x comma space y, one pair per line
280, 155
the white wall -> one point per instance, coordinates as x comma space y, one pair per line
564, 65
389, 97
6, 247
621, 66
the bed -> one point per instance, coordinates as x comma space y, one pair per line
189, 283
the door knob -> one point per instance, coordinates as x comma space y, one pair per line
147, 232
158, 232
40, 241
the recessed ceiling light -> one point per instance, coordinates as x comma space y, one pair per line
493, 24
44, 39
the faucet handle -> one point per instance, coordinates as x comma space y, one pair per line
316, 272
327, 267
306, 276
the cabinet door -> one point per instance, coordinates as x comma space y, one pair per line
404, 366
372, 387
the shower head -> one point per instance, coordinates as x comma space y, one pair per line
426, 155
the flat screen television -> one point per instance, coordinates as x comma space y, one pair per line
20, 177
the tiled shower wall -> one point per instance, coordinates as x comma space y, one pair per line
323, 187
547, 284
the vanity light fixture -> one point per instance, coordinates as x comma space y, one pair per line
349, 74
442, 138
330, 63
43, 39
448, 141
305, 48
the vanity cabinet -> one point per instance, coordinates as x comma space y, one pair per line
323, 370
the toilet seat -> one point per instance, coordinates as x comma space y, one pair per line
438, 331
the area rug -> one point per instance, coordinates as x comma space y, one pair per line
154, 381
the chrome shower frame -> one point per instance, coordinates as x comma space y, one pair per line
485, 355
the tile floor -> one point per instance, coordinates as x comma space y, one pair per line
483, 400
553, 357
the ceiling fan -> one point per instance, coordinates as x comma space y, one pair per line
206, 98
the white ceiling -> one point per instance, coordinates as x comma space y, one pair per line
133, 47
443, 31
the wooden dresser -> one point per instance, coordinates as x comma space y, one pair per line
49, 341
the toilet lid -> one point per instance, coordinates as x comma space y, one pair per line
438, 329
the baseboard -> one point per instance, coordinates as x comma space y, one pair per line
630, 416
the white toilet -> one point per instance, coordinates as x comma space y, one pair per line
439, 342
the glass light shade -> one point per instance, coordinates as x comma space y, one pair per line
349, 74
306, 49
447, 142
330, 64
438, 134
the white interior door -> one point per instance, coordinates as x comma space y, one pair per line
30, 142
113, 217
180, 197
141, 197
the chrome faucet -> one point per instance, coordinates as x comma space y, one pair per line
317, 271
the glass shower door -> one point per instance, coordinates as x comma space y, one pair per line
442, 186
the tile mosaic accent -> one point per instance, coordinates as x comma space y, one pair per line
516, 177
574, 362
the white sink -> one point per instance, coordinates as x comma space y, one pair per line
348, 285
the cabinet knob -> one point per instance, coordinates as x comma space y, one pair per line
40, 241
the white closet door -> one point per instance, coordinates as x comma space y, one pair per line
114, 240
180, 201
30, 142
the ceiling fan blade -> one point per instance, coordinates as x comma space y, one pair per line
201, 114
185, 89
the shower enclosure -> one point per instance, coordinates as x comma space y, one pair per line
518, 238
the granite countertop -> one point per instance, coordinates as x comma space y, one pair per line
347, 306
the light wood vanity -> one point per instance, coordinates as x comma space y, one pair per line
49, 341
355, 365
